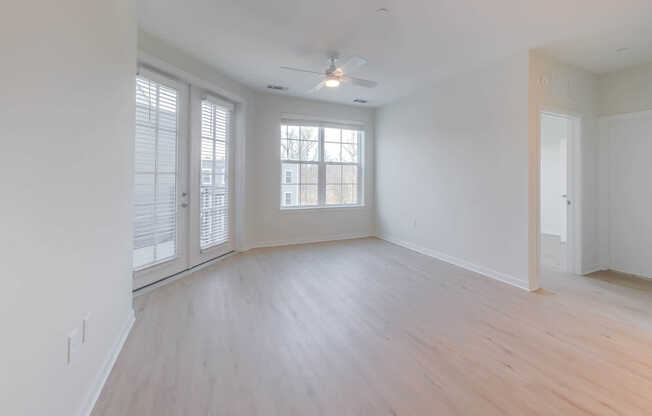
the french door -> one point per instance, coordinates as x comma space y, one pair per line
211, 176
182, 178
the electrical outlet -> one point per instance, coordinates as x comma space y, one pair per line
73, 345
85, 321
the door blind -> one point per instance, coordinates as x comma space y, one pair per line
214, 188
155, 174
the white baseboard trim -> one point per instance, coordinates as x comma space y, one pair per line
291, 242
485, 271
103, 375
592, 269
639, 276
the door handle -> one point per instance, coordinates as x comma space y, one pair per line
184, 205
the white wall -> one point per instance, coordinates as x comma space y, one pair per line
269, 224
626, 91
553, 174
624, 174
627, 176
452, 170
558, 87
66, 169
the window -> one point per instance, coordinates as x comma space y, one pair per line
155, 173
214, 192
341, 150
321, 165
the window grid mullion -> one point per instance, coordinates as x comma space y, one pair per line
343, 163
341, 175
321, 175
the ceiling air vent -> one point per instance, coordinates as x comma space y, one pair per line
360, 101
277, 87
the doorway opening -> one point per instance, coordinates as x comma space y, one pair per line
558, 147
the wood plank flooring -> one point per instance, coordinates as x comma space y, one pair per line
364, 327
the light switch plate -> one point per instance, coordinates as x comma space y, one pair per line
85, 323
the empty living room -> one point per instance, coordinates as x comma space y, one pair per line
298, 207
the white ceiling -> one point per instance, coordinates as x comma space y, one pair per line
416, 43
609, 50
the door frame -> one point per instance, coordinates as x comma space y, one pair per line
573, 187
158, 271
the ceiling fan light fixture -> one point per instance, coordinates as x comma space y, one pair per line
332, 83
334, 75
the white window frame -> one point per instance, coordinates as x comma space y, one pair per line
321, 179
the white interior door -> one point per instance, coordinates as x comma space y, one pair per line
560, 149
160, 188
211, 177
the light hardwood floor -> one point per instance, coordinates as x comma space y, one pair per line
364, 327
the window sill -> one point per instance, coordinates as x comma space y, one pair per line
323, 208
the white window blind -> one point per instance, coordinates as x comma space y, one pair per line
321, 164
155, 170
214, 189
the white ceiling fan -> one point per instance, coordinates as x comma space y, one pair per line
335, 75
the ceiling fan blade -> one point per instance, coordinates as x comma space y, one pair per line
317, 87
351, 64
361, 82
301, 70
